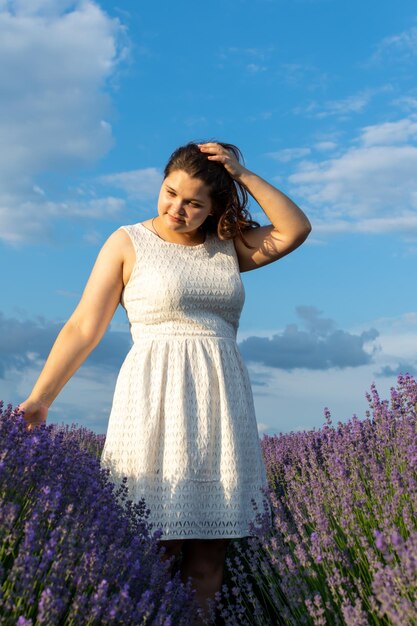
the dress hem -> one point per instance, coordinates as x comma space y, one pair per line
180, 538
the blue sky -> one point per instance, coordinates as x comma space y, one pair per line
321, 97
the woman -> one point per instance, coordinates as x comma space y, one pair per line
182, 426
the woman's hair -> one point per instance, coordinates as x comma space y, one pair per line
229, 197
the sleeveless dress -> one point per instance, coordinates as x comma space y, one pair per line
182, 426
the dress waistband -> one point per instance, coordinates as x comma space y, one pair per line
154, 332
183, 329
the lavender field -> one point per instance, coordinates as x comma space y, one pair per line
343, 548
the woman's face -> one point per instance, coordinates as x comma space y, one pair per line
184, 202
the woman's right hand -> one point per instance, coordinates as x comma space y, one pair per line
35, 413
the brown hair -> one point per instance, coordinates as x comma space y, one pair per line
229, 197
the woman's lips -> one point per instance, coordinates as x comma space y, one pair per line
175, 219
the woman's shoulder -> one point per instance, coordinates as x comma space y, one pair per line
138, 229
118, 245
128, 231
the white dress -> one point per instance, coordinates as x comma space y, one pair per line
182, 426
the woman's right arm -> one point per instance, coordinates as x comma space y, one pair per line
84, 329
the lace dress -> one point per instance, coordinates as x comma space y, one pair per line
182, 427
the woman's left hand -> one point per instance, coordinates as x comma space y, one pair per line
216, 152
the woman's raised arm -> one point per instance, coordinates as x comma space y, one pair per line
84, 329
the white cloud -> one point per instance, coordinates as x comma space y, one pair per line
340, 108
93, 237
362, 179
406, 103
370, 226
39, 7
289, 154
97, 208
351, 104
401, 46
143, 184
343, 107
390, 133
32, 219
57, 57
324, 146
370, 187
255, 68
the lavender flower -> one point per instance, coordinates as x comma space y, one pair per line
73, 550
343, 547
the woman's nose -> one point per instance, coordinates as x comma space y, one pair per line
179, 206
